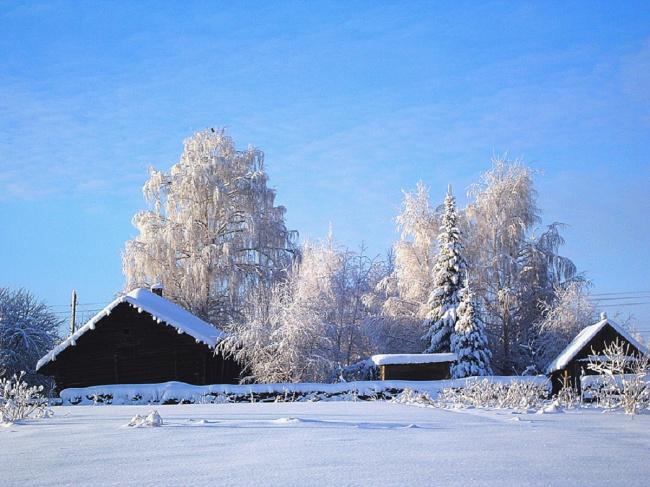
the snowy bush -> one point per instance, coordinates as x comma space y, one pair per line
568, 398
518, 394
363, 370
20, 401
623, 380
417, 398
28, 330
152, 419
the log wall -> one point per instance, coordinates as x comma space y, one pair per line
129, 347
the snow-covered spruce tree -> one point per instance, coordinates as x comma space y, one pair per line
449, 274
468, 341
28, 330
213, 233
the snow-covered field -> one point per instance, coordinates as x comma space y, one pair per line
326, 443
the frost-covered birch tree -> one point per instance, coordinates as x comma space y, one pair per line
283, 339
408, 286
513, 272
28, 330
449, 274
313, 325
212, 233
353, 274
468, 341
399, 301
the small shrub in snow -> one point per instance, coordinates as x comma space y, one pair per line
411, 397
552, 408
568, 398
517, 394
214, 399
20, 401
624, 380
152, 419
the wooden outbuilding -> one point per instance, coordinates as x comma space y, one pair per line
415, 366
572, 363
140, 338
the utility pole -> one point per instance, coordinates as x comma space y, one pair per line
73, 317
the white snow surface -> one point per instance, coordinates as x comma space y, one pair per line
325, 443
161, 309
583, 338
413, 358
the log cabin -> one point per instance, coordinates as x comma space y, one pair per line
567, 369
140, 338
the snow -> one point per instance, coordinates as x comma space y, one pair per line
413, 358
161, 309
325, 443
583, 338
177, 392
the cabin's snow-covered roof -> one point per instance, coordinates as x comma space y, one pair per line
413, 358
583, 338
160, 309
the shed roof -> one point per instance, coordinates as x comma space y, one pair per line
160, 309
413, 358
580, 341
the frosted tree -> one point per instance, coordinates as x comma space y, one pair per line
562, 319
212, 233
282, 339
407, 287
448, 276
28, 330
313, 325
354, 275
468, 341
398, 303
513, 272
287, 339
503, 211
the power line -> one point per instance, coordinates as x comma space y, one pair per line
645, 296
78, 304
83, 311
619, 293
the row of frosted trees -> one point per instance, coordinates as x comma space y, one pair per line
480, 281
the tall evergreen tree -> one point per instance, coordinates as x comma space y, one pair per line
448, 277
468, 341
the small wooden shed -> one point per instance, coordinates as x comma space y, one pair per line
414, 366
140, 338
573, 362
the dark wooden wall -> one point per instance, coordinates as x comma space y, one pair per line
435, 371
129, 347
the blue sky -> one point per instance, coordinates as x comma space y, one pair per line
352, 102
